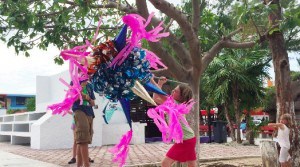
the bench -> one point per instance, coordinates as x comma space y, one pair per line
267, 130
203, 129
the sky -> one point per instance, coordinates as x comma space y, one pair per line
18, 73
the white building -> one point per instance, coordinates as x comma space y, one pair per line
42, 130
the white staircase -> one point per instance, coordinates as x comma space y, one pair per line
16, 128
42, 130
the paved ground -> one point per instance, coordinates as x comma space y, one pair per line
139, 155
12, 160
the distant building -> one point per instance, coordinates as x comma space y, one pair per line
270, 83
258, 114
13, 102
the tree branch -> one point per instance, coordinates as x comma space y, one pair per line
175, 69
209, 56
55, 13
196, 14
168, 25
121, 7
110, 4
238, 45
234, 33
94, 28
292, 35
202, 7
225, 42
165, 73
182, 20
180, 50
177, 46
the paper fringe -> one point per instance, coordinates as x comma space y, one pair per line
121, 150
77, 57
171, 129
138, 25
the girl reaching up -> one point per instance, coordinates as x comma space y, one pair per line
283, 138
185, 151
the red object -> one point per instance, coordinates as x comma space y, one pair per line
204, 128
204, 112
184, 151
267, 129
256, 112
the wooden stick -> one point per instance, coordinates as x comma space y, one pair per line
169, 80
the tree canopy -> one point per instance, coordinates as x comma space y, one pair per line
199, 29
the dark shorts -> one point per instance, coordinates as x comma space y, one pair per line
83, 127
183, 152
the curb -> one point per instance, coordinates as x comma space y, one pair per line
154, 164
228, 158
158, 164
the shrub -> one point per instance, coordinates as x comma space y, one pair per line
30, 104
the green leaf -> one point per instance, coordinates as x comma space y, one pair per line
56, 6
27, 54
60, 1
284, 3
274, 30
58, 60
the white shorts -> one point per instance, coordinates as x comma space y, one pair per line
284, 155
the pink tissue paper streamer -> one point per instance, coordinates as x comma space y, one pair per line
171, 129
121, 150
75, 56
138, 25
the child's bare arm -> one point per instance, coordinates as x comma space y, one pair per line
276, 125
158, 98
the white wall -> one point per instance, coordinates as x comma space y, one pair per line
260, 117
114, 132
53, 131
43, 89
2, 111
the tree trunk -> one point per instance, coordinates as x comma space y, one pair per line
236, 110
282, 75
232, 130
250, 136
269, 154
193, 116
249, 131
294, 138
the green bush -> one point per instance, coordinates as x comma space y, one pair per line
10, 111
30, 104
256, 128
295, 75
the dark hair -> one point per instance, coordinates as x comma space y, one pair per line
186, 93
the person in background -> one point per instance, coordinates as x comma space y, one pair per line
74, 148
83, 117
243, 127
284, 138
